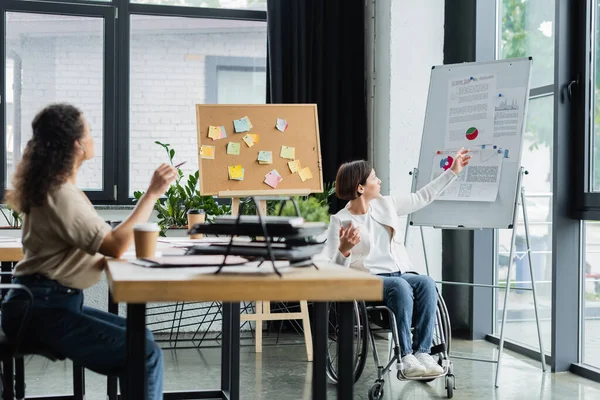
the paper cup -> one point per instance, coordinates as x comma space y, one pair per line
145, 237
195, 217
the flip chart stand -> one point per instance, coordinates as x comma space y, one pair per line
519, 201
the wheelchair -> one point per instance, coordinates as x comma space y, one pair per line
375, 318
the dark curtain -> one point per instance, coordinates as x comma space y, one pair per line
316, 54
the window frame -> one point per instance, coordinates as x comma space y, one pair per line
116, 92
127, 9
106, 194
586, 202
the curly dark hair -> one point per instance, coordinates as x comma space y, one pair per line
48, 157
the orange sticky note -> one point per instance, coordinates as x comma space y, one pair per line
207, 152
250, 139
305, 174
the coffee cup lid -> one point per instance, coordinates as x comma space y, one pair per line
147, 227
195, 211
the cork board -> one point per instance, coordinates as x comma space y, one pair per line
302, 133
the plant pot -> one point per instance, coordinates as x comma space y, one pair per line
9, 231
177, 232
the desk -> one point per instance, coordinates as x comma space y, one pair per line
137, 286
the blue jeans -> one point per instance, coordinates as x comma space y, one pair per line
91, 338
408, 294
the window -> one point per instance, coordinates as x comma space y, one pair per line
537, 159
10, 108
61, 60
591, 260
176, 63
526, 28
235, 80
245, 4
595, 148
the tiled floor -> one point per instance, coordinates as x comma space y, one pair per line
281, 373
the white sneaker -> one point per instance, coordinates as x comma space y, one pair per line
411, 367
431, 367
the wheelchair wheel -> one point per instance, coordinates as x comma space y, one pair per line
444, 318
360, 340
376, 391
450, 386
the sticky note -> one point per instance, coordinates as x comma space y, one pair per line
294, 166
274, 172
305, 174
233, 148
242, 125
288, 152
281, 124
250, 139
272, 180
217, 132
236, 172
265, 157
207, 152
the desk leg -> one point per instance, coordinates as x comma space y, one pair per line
345, 350
230, 351
319, 380
111, 380
137, 386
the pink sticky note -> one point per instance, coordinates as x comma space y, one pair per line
272, 180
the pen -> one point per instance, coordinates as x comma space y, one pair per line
179, 165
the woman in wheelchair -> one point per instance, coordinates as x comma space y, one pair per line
365, 235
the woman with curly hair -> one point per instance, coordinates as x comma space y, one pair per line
64, 244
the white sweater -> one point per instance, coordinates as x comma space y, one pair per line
381, 248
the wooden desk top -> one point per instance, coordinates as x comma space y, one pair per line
11, 251
130, 283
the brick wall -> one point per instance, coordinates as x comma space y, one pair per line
167, 80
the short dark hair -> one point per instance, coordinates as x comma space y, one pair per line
349, 176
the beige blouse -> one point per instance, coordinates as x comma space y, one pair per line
61, 239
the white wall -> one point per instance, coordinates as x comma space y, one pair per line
409, 40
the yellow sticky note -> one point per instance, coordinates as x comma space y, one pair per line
294, 166
233, 148
214, 132
288, 152
236, 172
207, 152
305, 174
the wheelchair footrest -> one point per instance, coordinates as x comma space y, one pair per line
440, 348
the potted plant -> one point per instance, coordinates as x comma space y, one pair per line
313, 208
14, 221
182, 195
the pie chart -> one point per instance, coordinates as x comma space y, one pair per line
446, 163
472, 133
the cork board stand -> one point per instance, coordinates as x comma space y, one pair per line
302, 134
